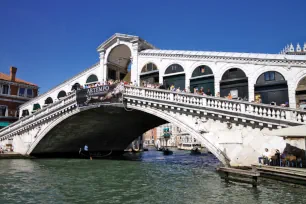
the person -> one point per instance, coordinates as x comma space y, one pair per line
229, 96
218, 94
86, 148
259, 99
208, 92
265, 156
188, 90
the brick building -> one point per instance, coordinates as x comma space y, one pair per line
13, 93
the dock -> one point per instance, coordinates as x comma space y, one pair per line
253, 174
286, 174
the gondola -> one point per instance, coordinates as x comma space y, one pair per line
195, 151
94, 155
166, 151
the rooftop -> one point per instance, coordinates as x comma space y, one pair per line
6, 77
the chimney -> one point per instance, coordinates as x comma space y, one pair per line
13, 71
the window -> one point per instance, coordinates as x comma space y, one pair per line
269, 76
3, 110
5, 89
29, 93
21, 91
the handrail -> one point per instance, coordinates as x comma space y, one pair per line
37, 113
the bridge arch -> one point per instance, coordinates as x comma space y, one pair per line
174, 75
203, 76
271, 88
157, 117
149, 74
234, 81
61, 94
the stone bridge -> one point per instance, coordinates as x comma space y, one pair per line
231, 129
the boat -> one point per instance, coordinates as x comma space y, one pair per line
188, 146
93, 155
166, 151
195, 150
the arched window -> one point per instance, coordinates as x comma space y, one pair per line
174, 68
61, 94
36, 106
25, 113
270, 77
49, 100
149, 67
233, 73
75, 86
92, 78
201, 71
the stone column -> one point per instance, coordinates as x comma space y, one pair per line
134, 61
251, 90
217, 85
291, 94
101, 69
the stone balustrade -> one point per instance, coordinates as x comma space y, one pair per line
220, 104
33, 118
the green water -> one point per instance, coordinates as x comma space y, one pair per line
147, 177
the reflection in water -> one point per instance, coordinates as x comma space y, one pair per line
148, 177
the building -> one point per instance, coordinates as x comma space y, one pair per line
150, 137
13, 93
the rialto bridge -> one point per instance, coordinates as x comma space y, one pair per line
233, 130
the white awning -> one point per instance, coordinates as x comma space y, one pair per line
296, 131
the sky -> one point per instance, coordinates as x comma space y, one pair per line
50, 41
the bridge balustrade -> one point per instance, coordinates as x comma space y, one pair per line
217, 103
37, 115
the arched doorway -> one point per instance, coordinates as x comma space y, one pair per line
61, 94
272, 88
149, 74
300, 94
118, 62
202, 76
234, 81
174, 75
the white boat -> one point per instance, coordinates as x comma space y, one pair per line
188, 146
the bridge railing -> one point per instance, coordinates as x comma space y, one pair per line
40, 113
218, 103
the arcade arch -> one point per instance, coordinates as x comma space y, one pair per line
118, 62
174, 75
202, 76
48, 101
149, 74
61, 94
300, 94
92, 78
271, 87
234, 81
76, 86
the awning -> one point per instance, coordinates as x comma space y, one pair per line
4, 124
296, 131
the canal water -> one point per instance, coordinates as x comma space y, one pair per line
147, 177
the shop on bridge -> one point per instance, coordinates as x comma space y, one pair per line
174, 75
271, 88
300, 94
235, 82
149, 74
202, 77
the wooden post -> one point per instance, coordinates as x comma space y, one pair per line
254, 181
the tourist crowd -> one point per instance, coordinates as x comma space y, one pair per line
275, 158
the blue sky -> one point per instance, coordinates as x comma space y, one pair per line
52, 40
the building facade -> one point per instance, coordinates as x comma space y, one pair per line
13, 93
